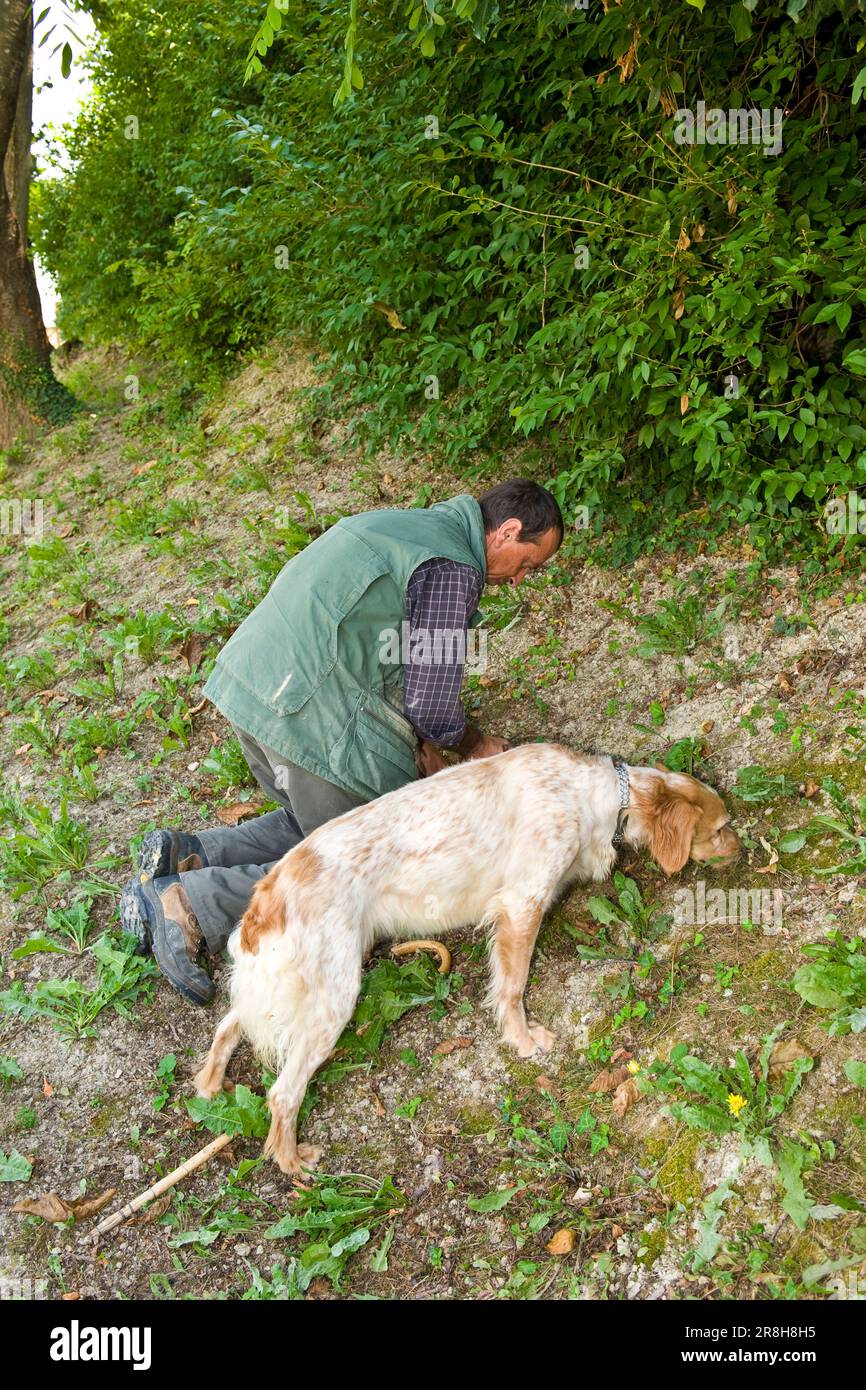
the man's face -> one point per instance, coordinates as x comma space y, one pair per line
510, 560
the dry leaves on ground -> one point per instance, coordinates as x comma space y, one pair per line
448, 1045
52, 1207
562, 1243
238, 811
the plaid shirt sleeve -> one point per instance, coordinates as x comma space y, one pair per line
441, 597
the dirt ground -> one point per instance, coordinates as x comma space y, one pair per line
149, 510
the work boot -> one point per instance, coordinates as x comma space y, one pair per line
164, 852
160, 908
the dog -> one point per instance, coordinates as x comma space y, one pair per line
493, 841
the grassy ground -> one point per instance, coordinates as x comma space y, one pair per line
455, 1170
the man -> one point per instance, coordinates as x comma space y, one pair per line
341, 685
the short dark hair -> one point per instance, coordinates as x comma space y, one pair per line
535, 508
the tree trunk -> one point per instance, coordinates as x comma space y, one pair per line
30, 395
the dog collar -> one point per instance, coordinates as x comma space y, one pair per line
621, 769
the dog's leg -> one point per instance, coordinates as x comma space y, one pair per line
209, 1081
317, 1027
287, 1092
514, 936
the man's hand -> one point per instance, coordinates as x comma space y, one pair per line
487, 746
428, 759
474, 744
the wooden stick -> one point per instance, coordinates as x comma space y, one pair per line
170, 1180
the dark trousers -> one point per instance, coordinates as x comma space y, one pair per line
238, 856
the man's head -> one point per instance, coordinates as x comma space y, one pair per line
522, 528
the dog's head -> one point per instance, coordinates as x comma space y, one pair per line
678, 818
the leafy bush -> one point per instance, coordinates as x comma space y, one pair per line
499, 232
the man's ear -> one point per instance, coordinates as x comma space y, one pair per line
671, 825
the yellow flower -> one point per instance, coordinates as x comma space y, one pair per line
736, 1104
634, 1068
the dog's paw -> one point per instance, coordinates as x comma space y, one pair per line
543, 1038
305, 1157
206, 1086
536, 1039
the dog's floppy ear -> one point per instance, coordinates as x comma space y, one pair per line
671, 825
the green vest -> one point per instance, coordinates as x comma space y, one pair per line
304, 673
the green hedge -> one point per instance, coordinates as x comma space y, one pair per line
454, 264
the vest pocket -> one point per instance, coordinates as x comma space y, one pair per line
376, 751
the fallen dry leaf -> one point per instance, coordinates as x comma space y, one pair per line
47, 1088
65, 530
684, 241
622, 1054
52, 1207
625, 1096
543, 1083
195, 709
811, 787
773, 866
191, 650
238, 811
784, 1055
608, 1080
785, 683
450, 1045
684, 404
84, 612
69, 1297
377, 1102
708, 726
160, 1206
679, 304
563, 1242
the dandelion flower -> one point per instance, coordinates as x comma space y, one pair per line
736, 1104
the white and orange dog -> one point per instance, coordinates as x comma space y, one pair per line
492, 841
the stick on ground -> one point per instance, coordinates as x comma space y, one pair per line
170, 1180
